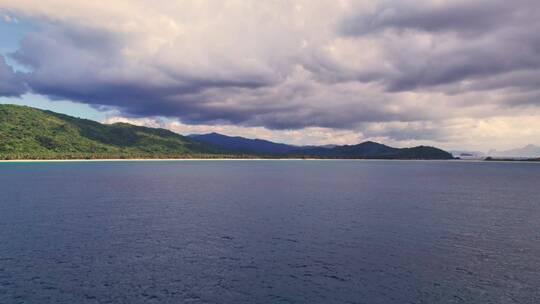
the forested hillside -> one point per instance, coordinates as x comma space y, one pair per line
29, 133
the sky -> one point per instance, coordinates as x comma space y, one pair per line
460, 75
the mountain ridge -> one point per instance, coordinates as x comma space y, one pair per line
373, 150
30, 133
244, 145
367, 149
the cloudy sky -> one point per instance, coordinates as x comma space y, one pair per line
455, 74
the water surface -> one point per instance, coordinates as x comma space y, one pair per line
270, 232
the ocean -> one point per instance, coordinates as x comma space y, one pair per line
270, 231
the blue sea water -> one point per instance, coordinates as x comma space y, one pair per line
270, 232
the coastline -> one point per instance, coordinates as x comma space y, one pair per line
205, 159
249, 159
128, 160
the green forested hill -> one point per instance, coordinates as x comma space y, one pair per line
29, 133
375, 150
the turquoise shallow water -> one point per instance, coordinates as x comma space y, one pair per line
270, 232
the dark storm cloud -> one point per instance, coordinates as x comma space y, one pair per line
11, 83
405, 131
423, 56
86, 65
470, 40
463, 17
469, 63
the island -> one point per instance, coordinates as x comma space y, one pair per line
28, 133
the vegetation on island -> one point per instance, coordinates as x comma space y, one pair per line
365, 150
373, 150
29, 133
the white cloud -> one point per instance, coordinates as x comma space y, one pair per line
306, 136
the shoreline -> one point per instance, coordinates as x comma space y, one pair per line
247, 159
129, 160
204, 159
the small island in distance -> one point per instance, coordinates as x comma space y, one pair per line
28, 133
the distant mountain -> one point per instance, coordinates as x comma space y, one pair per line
367, 149
239, 144
29, 133
371, 149
529, 151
